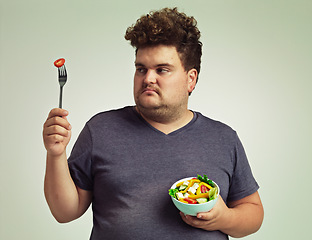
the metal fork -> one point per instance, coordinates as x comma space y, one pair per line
62, 80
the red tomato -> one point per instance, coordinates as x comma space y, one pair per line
59, 62
204, 189
190, 201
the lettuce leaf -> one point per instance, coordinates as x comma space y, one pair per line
206, 180
213, 193
172, 192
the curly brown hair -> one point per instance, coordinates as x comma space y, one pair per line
169, 27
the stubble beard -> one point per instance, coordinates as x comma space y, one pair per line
160, 112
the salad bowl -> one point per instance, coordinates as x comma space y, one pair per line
194, 209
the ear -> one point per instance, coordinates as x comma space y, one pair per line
192, 78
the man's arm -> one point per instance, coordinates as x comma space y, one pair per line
247, 216
66, 201
240, 218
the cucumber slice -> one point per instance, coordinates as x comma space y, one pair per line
182, 187
202, 200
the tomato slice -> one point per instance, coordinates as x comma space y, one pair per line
190, 201
59, 62
204, 189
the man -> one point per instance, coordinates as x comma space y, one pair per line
125, 160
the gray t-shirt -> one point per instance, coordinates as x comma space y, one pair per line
129, 166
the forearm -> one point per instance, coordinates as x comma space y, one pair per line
60, 191
243, 219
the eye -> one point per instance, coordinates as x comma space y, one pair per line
141, 70
162, 70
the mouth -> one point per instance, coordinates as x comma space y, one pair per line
149, 90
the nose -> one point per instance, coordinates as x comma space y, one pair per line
150, 77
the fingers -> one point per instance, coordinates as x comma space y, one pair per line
55, 128
197, 220
56, 131
57, 124
57, 117
58, 112
202, 220
212, 220
207, 216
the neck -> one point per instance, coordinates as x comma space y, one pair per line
168, 124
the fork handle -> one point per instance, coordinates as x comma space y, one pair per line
61, 97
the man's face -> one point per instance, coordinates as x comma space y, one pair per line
160, 81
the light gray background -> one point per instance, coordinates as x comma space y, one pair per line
256, 77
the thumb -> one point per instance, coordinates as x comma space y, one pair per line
205, 215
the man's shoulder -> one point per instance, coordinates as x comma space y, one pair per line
112, 112
212, 122
215, 127
113, 115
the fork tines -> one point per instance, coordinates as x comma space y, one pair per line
62, 71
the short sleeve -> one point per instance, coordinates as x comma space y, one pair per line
243, 182
80, 160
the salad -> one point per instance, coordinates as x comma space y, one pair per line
195, 191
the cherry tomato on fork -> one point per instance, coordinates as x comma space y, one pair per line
59, 62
